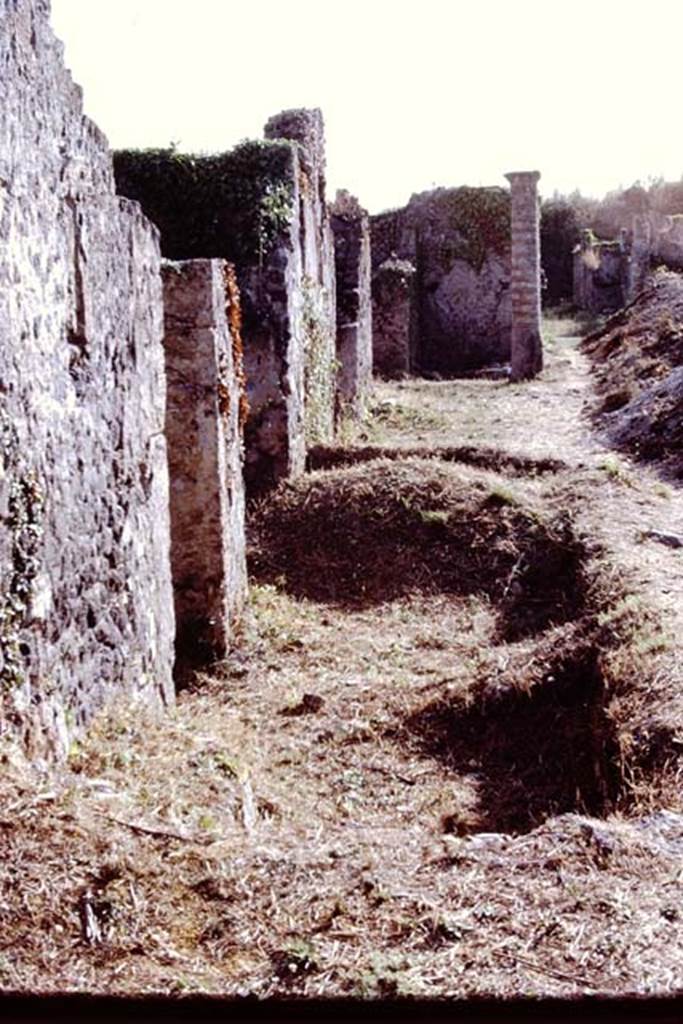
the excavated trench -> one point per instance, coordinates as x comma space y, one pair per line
536, 753
540, 742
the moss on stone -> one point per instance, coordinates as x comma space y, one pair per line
480, 221
24, 521
319, 369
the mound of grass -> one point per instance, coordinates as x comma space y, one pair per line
380, 530
637, 356
330, 457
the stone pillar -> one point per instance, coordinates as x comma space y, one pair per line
526, 359
351, 228
204, 416
306, 128
394, 305
639, 262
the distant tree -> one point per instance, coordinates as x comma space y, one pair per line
560, 232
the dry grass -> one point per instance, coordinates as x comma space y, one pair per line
635, 356
398, 783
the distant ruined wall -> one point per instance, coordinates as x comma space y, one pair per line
351, 230
608, 274
262, 207
458, 240
205, 438
599, 275
85, 591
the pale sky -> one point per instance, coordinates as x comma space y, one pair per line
431, 92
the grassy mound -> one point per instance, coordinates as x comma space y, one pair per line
637, 357
329, 457
379, 530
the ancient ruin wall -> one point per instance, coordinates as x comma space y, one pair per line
318, 287
351, 230
204, 432
458, 240
261, 206
394, 318
526, 355
85, 591
599, 281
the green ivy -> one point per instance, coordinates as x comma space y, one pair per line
480, 220
230, 205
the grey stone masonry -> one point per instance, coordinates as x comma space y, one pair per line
351, 229
316, 291
274, 356
598, 274
458, 241
86, 608
526, 348
394, 305
204, 438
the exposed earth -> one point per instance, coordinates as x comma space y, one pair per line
444, 760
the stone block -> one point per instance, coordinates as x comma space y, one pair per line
351, 230
394, 318
205, 448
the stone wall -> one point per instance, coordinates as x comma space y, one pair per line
526, 347
318, 287
459, 243
351, 230
85, 591
204, 433
261, 206
608, 274
394, 318
599, 275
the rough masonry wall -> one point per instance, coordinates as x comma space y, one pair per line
351, 230
458, 240
599, 275
317, 290
262, 207
85, 592
394, 319
526, 349
609, 274
204, 433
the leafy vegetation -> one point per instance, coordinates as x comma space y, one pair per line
231, 205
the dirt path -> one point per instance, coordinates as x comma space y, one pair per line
547, 418
304, 822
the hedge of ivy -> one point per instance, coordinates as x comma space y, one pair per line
230, 205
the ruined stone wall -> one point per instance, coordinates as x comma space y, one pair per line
459, 243
669, 242
204, 433
608, 274
599, 275
351, 230
394, 319
262, 207
85, 591
318, 287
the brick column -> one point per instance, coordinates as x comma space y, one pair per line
527, 351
